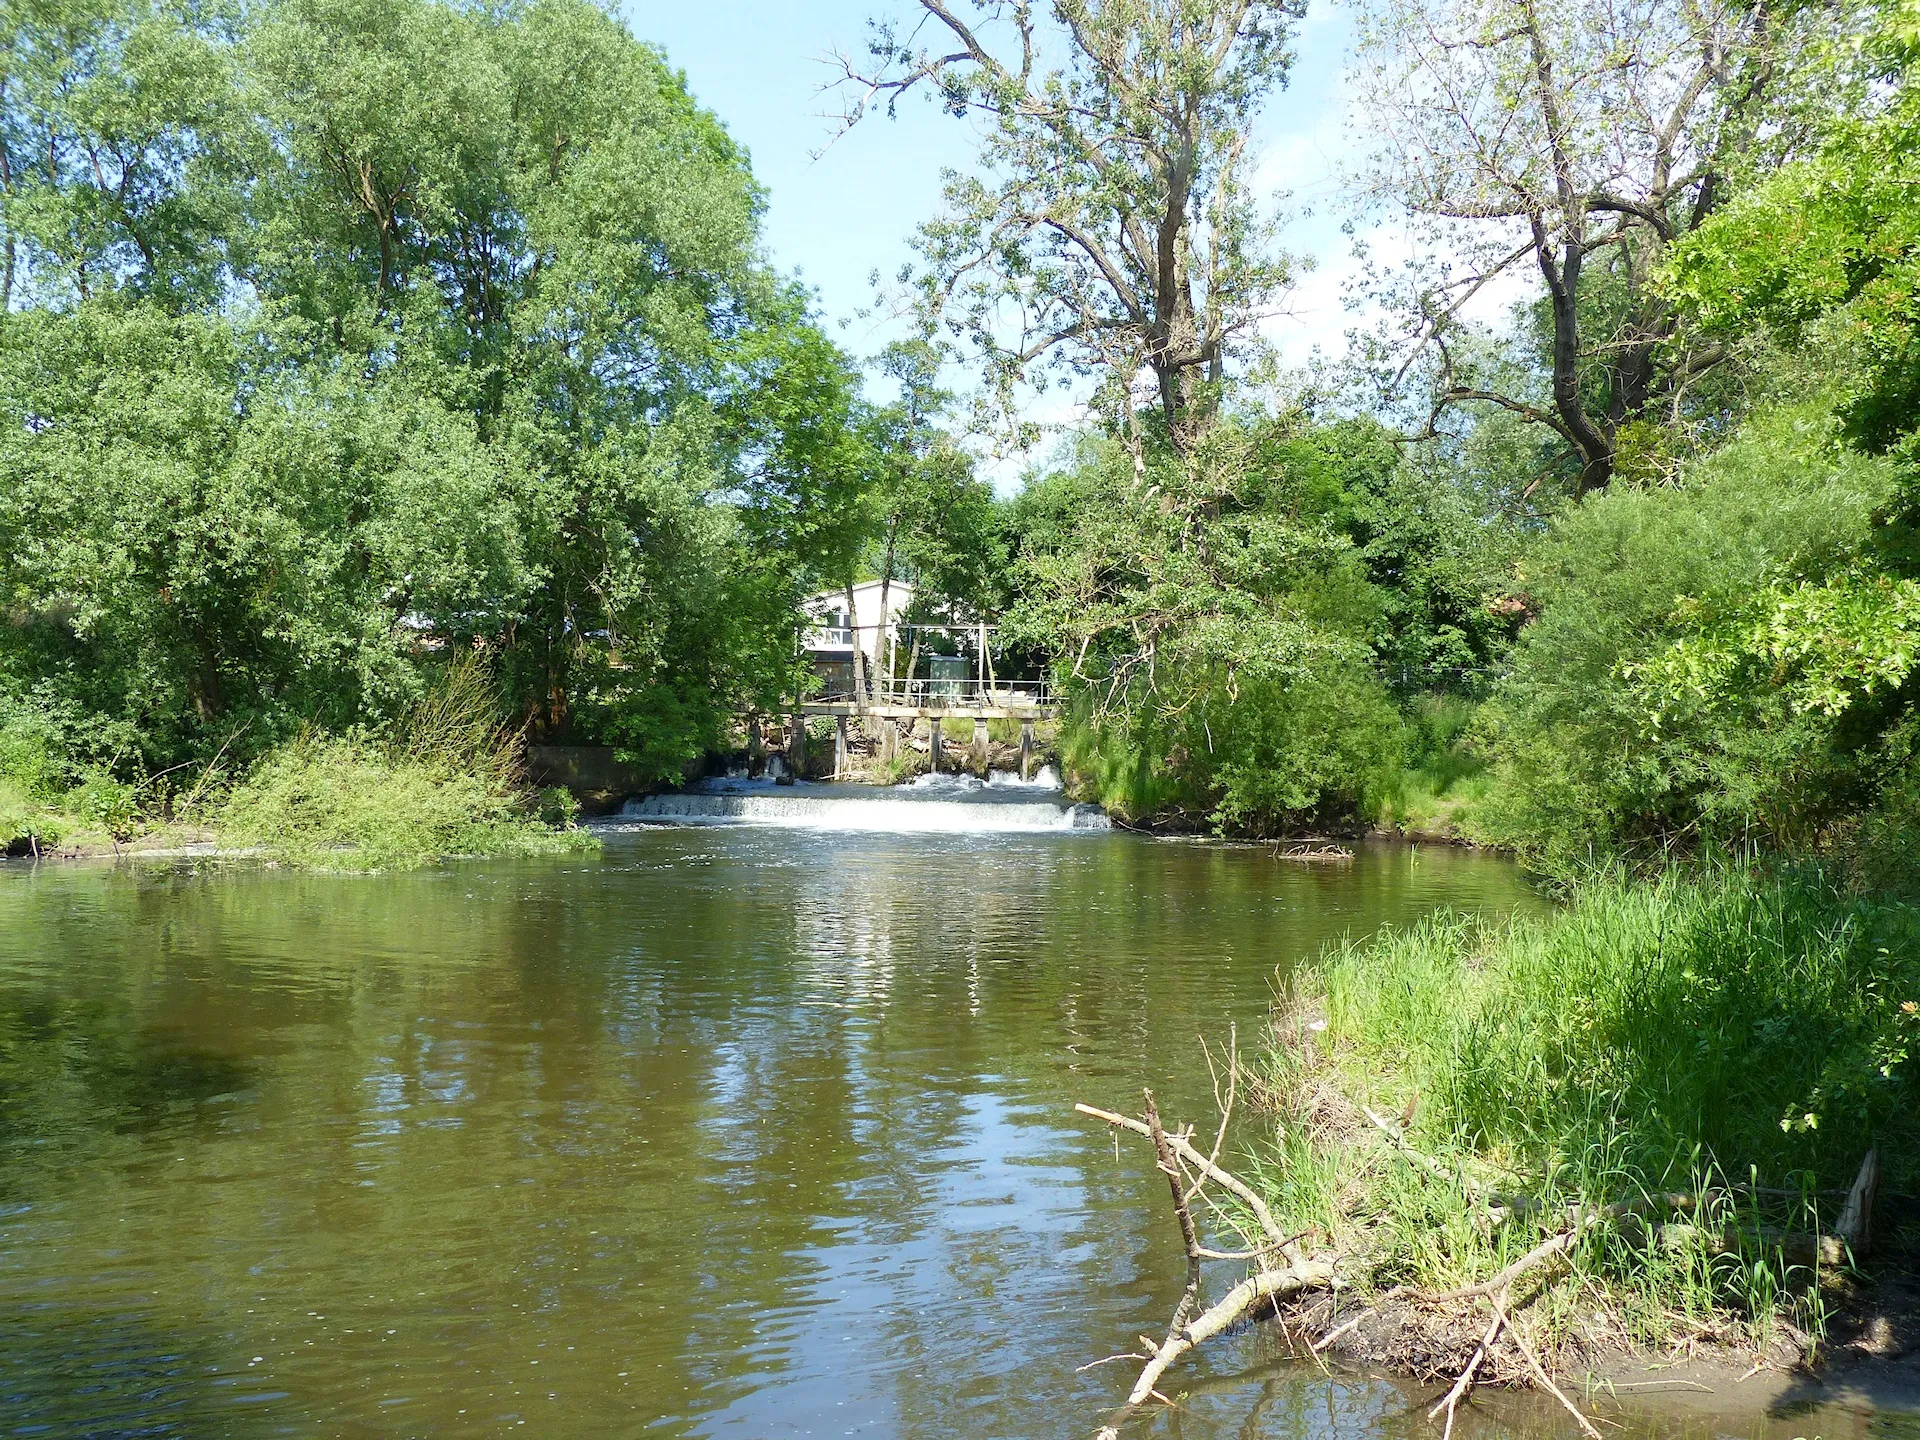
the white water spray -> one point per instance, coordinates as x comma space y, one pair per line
931, 804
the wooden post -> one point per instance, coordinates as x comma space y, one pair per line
889, 741
982, 745
754, 748
935, 741
797, 743
1026, 749
839, 746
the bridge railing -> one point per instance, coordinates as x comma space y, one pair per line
947, 694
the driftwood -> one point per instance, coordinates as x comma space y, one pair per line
1540, 1374
1309, 853
1188, 1172
1855, 1225
1463, 1386
1277, 1239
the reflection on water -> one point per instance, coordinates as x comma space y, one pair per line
724, 1132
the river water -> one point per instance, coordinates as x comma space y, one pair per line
727, 1131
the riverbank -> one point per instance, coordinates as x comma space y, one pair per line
1650, 1127
445, 783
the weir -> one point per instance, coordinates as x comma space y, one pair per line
932, 804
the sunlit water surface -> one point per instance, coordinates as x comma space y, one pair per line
725, 1132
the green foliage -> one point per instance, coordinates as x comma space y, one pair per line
192, 545
351, 804
1688, 1034
31, 755
336, 333
1445, 779
1704, 665
1433, 557
1109, 227
114, 118
447, 780
34, 773
1825, 253
1215, 627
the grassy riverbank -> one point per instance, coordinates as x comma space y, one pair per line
445, 779
1742, 1037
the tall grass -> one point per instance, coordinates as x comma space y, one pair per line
447, 779
1690, 1033
1445, 780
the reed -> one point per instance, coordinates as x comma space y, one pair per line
1741, 1036
446, 779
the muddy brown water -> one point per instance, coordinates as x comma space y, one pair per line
723, 1132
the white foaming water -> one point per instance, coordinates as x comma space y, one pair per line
931, 804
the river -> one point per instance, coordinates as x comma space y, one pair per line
727, 1131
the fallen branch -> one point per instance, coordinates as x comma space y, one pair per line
1174, 1152
1796, 1247
1463, 1386
1540, 1374
1540, 1253
1277, 1238
1266, 1285
1334, 1334
1189, 1236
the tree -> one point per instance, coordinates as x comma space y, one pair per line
113, 120
197, 548
343, 333
1214, 630
523, 210
1824, 255
1112, 230
933, 521
1580, 141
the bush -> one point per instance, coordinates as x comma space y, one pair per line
1259, 757
447, 781
104, 802
1639, 714
33, 772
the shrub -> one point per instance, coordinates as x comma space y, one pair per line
104, 802
447, 781
1256, 757
33, 772
1645, 709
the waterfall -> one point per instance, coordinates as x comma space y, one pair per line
932, 804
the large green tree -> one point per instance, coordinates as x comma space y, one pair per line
1569, 148
505, 233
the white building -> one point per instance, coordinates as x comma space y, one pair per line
831, 641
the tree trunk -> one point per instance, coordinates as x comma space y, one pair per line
1595, 447
883, 636
859, 655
